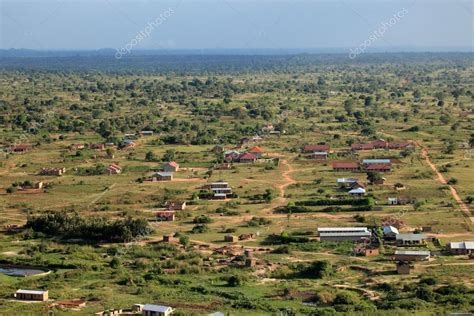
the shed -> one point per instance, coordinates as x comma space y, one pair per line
31, 295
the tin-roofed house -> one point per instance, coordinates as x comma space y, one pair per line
461, 248
390, 232
411, 255
162, 176
156, 310
357, 192
411, 239
31, 295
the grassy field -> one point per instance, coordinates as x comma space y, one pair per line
193, 276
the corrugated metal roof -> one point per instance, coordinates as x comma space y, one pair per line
345, 234
35, 292
411, 237
412, 252
462, 245
369, 161
156, 308
341, 229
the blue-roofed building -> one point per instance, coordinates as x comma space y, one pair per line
375, 161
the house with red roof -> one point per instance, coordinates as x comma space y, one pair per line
345, 166
171, 166
247, 158
256, 151
315, 148
356, 147
97, 146
113, 169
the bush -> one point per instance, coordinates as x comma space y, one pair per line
199, 229
235, 280
202, 219
258, 221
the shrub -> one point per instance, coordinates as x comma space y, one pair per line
199, 229
202, 219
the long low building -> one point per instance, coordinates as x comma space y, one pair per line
31, 295
411, 239
411, 255
344, 233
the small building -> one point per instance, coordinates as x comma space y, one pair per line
129, 144
314, 148
400, 200
175, 205
256, 151
146, 133
390, 232
346, 182
130, 136
230, 238
250, 262
411, 255
171, 166
319, 155
166, 216
162, 176
404, 267
77, 146
31, 295
58, 171
362, 250
247, 158
357, 192
156, 310
113, 169
411, 239
344, 233
461, 248
97, 146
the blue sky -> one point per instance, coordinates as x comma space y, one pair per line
196, 24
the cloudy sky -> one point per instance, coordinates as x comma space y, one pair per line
245, 24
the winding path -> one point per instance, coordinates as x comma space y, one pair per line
442, 180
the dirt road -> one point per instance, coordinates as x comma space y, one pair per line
442, 180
